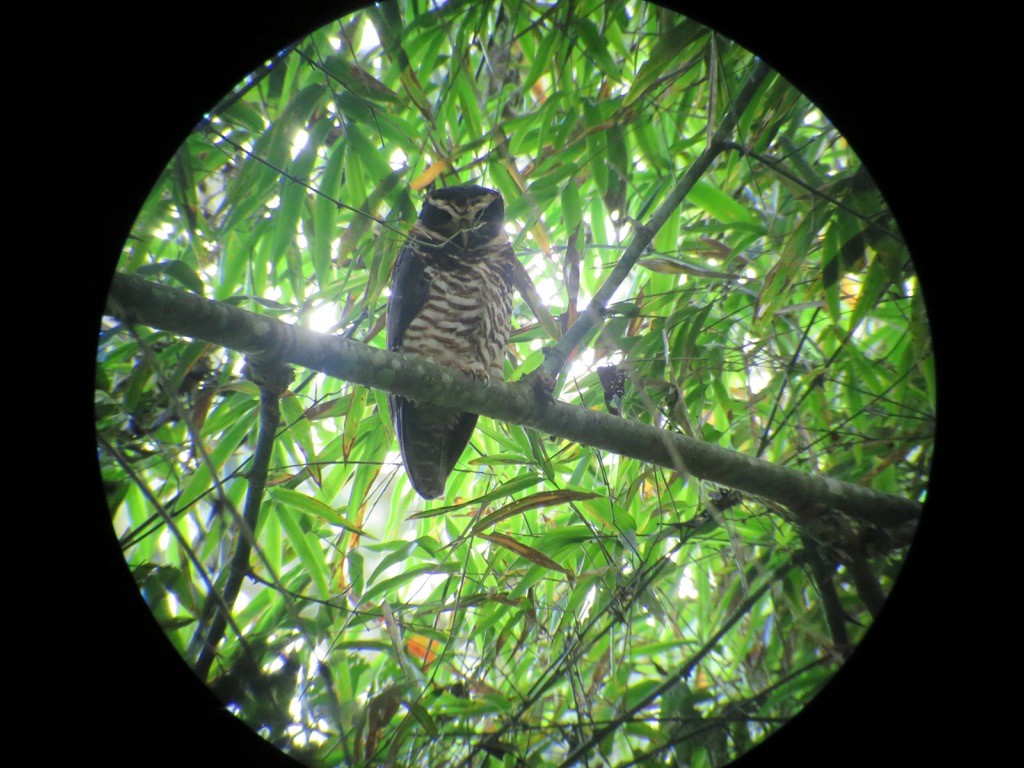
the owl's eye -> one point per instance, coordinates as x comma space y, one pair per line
495, 211
434, 218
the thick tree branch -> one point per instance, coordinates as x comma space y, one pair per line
135, 300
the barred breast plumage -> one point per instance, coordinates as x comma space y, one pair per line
451, 302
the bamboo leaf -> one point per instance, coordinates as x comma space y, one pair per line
423, 717
669, 48
720, 205
512, 486
426, 178
533, 501
181, 272
306, 547
360, 82
392, 584
596, 48
325, 211
529, 553
303, 504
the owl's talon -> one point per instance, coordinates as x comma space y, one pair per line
543, 386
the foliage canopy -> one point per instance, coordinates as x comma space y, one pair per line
559, 600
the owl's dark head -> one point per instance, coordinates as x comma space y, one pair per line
469, 216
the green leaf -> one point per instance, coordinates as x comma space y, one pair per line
271, 545
875, 283
694, 327
468, 101
305, 505
669, 48
596, 48
718, 204
391, 585
306, 547
370, 156
401, 551
572, 208
542, 61
233, 265
423, 717
359, 82
505, 489
325, 213
181, 272
597, 144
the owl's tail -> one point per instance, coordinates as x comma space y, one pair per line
431, 440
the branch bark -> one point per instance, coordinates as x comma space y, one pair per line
135, 300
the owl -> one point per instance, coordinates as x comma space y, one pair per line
450, 303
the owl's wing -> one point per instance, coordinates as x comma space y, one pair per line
431, 439
409, 286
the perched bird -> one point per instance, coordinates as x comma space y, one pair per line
451, 303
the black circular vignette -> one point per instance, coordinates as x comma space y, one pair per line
877, 75
136, 702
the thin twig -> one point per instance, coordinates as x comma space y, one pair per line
868, 588
776, 165
835, 616
116, 454
273, 380
558, 355
635, 588
682, 672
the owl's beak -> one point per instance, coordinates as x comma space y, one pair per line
465, 226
